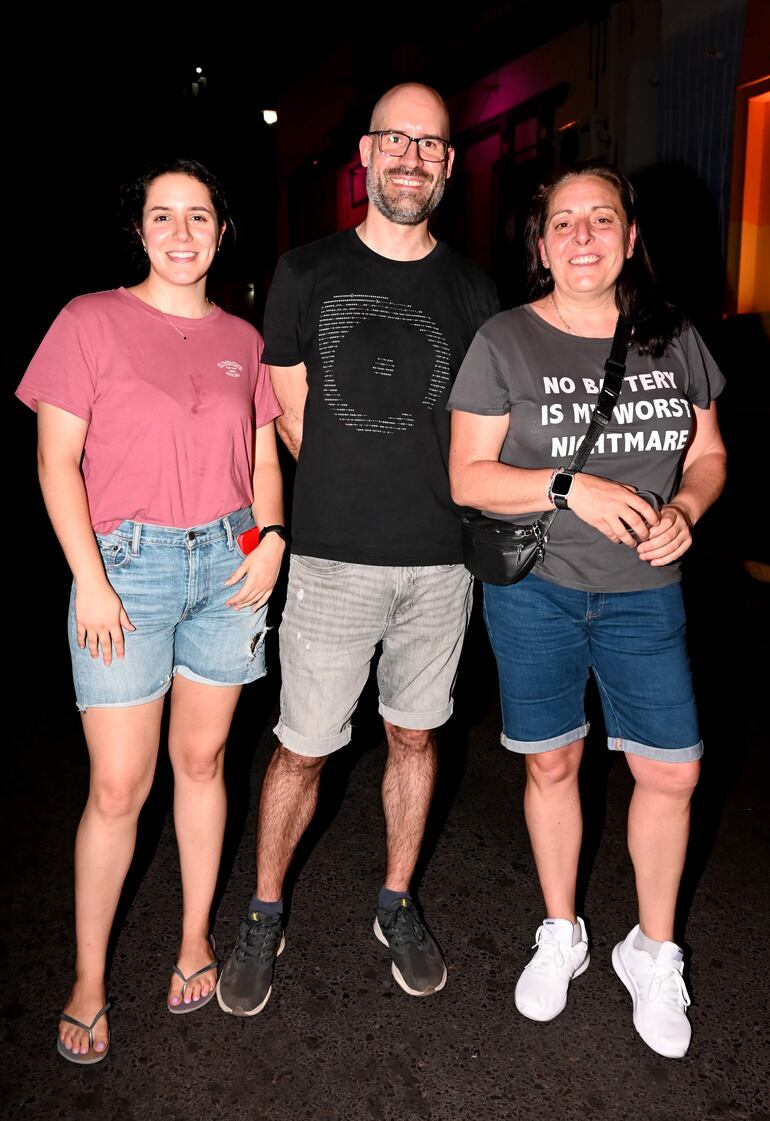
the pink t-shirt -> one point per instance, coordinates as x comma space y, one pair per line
170, 420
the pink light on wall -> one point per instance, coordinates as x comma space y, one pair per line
351, 194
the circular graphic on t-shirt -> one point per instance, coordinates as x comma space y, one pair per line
382, 362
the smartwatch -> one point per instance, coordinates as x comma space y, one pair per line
560, 486
279, 529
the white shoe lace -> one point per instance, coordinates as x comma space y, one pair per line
549, 952
667, 987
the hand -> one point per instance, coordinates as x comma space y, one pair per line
259, 572
613, 508
101, 620
669, 539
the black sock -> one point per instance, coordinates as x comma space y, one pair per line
388, 898
265, 908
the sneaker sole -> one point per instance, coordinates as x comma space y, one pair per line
398, 976
546, 1019
625, 977
238, 1011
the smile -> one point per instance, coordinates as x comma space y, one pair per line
586, 259
409, 181
182, 256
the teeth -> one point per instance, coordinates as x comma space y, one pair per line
182, 256
588, 260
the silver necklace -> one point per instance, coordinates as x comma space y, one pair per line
556, 309
181, 334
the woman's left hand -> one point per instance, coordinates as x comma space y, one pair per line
259, 572
669, 539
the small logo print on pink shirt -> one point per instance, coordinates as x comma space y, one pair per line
232, 369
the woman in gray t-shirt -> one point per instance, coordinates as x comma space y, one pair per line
607, 597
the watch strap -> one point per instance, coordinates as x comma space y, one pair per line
279, 529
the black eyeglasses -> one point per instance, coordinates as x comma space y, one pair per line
432, 149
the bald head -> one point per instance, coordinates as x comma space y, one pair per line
413, 103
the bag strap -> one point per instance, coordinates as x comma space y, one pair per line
614, 372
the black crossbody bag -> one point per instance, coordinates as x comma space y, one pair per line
501, 552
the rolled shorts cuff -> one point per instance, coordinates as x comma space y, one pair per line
659, 754
417, 721
164, 688
313, 746
185, 671
538, 747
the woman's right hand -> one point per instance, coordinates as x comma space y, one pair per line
101, 620
615, 509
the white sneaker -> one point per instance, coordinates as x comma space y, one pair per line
541, 991
659, 995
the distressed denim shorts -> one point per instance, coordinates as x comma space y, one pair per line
336, 613
547, 638
171, 583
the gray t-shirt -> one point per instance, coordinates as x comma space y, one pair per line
547, 382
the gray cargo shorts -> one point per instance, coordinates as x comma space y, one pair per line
335, 615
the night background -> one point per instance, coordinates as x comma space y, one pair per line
677, 94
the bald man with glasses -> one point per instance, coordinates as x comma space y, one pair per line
365, 331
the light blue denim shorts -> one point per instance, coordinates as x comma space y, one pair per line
335, 615
547, 639
172, 584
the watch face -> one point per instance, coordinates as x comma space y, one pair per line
562, 485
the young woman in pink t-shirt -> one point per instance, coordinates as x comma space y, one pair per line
157, 455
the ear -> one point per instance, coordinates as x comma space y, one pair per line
631, 240
450, 159
541, 251
222, 229
365, 150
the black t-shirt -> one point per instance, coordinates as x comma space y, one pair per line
382, 341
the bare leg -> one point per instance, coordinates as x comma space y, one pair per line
658, 830
288, 801
407, 789
200, 722
123, 747
555, 823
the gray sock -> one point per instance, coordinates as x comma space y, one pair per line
275, 908
642, 942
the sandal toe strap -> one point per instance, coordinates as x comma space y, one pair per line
186, 980
87, 1027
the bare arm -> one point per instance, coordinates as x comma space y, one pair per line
259, 571
703, 478
99, 612
290, 386
477, 479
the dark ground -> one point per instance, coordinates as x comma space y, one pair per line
338, 1040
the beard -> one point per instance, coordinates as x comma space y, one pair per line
401, 206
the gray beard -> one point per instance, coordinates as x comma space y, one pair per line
403, 211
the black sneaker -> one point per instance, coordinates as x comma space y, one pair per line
246, 981
418, 966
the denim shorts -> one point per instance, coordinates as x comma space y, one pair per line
336, 613
171, 583
546, 638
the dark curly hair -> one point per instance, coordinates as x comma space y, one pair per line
637, 294
133, 195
